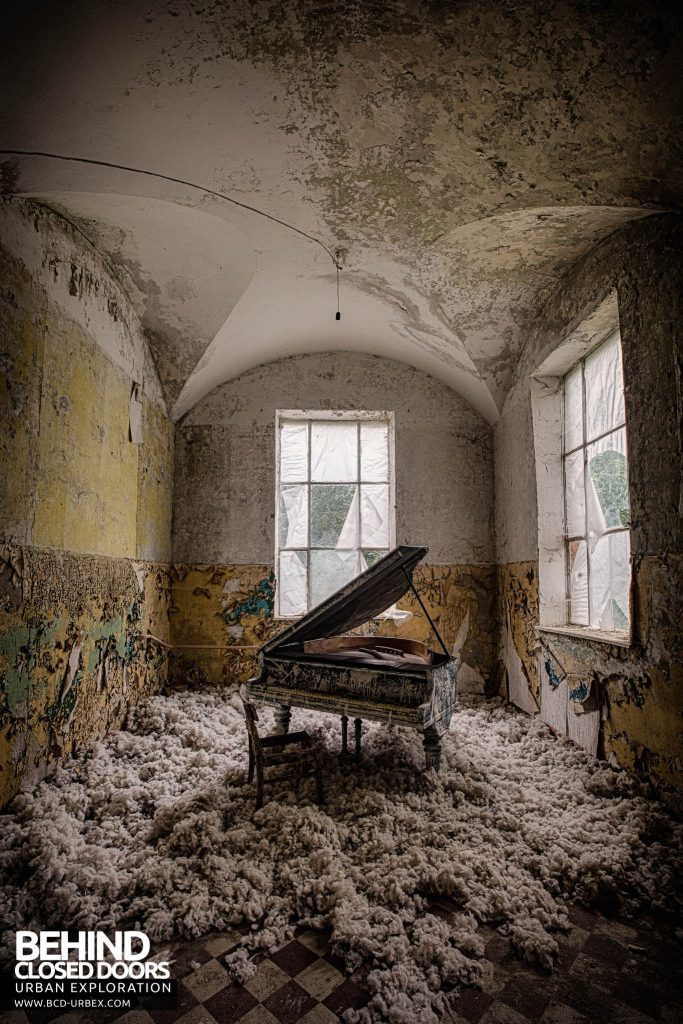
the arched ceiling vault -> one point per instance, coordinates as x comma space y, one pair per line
463, 156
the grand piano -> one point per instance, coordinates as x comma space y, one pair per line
315, 664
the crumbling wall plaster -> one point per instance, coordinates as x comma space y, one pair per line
225, 459
72, 655
222, 614
518, 615
637, 690
80, 503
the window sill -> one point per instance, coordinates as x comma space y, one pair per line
624, 640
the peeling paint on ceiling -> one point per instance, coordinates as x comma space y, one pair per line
465, 156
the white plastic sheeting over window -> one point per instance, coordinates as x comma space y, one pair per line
293, 452
596, 492
335, 510
334, 451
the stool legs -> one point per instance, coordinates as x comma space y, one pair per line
259, 787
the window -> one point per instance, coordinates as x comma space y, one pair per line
596, 492
335, 505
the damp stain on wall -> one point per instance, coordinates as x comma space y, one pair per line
86, 489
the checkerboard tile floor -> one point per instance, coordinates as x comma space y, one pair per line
609, 972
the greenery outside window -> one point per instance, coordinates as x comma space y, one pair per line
597, 517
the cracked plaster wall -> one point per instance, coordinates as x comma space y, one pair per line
638, 691
224, 505
84, 513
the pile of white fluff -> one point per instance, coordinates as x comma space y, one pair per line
156, 830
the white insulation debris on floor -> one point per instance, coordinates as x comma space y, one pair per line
155, 829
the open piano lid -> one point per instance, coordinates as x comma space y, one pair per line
361, 599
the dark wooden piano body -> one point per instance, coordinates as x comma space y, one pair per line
315, 663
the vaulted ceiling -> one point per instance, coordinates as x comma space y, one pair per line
461, 156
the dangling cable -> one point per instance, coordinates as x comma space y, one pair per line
338, 316
339, 258
177, 181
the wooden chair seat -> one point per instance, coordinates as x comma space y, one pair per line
290, 737
271, 752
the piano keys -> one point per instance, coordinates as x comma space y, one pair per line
317, 664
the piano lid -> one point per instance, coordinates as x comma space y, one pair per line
361, 599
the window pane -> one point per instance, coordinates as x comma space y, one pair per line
573, 410
368, 558
578, 582
291, 583
334, 515
374, 451
374, 515
604, 389
293, 520
607, 486
330, 570
293, 452
575, 509
334, 451
610, 576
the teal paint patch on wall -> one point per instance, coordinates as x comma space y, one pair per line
260, 603
15, 657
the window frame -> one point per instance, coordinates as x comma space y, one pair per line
583, 447
546, 382
310, 417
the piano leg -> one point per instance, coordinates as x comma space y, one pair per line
357, 726
345, 735
283, 716
432, 749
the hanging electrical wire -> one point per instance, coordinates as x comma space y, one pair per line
334, 256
